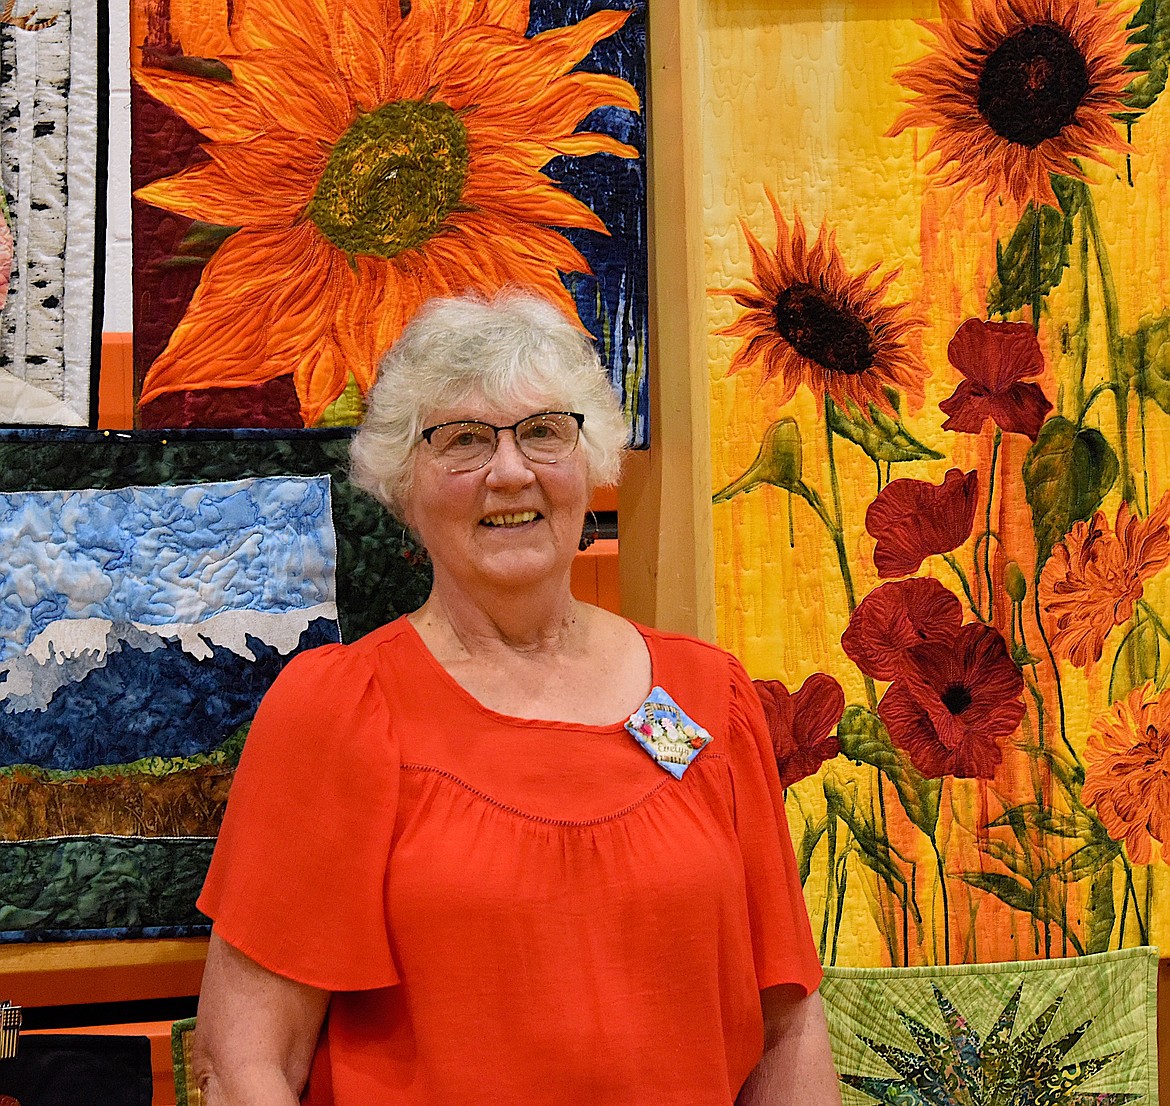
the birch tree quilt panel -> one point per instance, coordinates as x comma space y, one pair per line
939, 302
139, 628
307, 176
50, 140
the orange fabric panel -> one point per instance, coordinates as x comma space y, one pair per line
116, 382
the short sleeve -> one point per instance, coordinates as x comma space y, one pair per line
782, 942
297, 880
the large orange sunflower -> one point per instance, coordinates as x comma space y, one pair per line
809, 322
1017, 90
372, 160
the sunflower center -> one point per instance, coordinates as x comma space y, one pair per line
1032, 84
818, 326
392, 178
956, 698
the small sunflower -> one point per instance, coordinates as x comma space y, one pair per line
1017, 91
809, 322
371, 160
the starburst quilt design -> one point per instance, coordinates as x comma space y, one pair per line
1046, 1033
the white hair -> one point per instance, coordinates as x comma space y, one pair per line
513, 348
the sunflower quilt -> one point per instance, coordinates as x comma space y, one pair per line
307, 175
937, 239
1077, 1032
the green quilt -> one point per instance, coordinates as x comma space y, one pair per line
1069, 1032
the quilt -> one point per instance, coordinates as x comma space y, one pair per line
305, 178
52, 158
938, 317
140, 624
1037, 1033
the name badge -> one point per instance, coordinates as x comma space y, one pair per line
663, 729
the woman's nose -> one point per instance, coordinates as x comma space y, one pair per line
508, 464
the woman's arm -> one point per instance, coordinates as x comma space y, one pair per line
797, 1065
256, 1032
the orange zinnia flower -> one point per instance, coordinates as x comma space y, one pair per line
372, 161
809, 322
1127, 777
1095, 576
1018, 90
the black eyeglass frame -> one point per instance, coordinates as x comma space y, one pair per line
579, 418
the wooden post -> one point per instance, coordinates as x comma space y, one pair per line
664, 513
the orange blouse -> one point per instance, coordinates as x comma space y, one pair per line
511, 911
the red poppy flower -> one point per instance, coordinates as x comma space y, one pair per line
893, 619
955, 692
913, 519
996, 359
801, 724
954, 703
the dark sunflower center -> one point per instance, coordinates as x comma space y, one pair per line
392, 178
818, 326
1032, 84
956, 698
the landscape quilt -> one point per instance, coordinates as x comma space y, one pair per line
143, 614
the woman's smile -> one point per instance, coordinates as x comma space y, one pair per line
511, 519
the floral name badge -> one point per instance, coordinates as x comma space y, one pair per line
663, 729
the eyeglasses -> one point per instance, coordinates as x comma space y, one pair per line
544, 438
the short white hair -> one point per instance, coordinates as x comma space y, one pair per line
511, 348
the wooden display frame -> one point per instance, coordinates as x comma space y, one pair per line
667, 562
73, 972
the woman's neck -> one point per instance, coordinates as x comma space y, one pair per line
528, 621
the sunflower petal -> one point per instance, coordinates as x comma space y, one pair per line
221, 110
261, 183
220, 342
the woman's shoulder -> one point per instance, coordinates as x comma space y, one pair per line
338, 665
684, 649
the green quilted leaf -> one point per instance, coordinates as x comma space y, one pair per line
1036, 256
1150, 28
1043, 819
1007, 890
1147, 352
778, 463
863, 737
1087, 861
873, 848
884, 439
1102, 913
808, 843
1066, 475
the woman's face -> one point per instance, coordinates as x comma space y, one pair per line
513, 522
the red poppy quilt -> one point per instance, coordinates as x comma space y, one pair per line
939, 321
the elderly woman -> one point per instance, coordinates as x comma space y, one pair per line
510, 849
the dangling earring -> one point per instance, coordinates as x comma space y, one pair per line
588, 533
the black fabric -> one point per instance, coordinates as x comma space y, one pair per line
71, 1070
